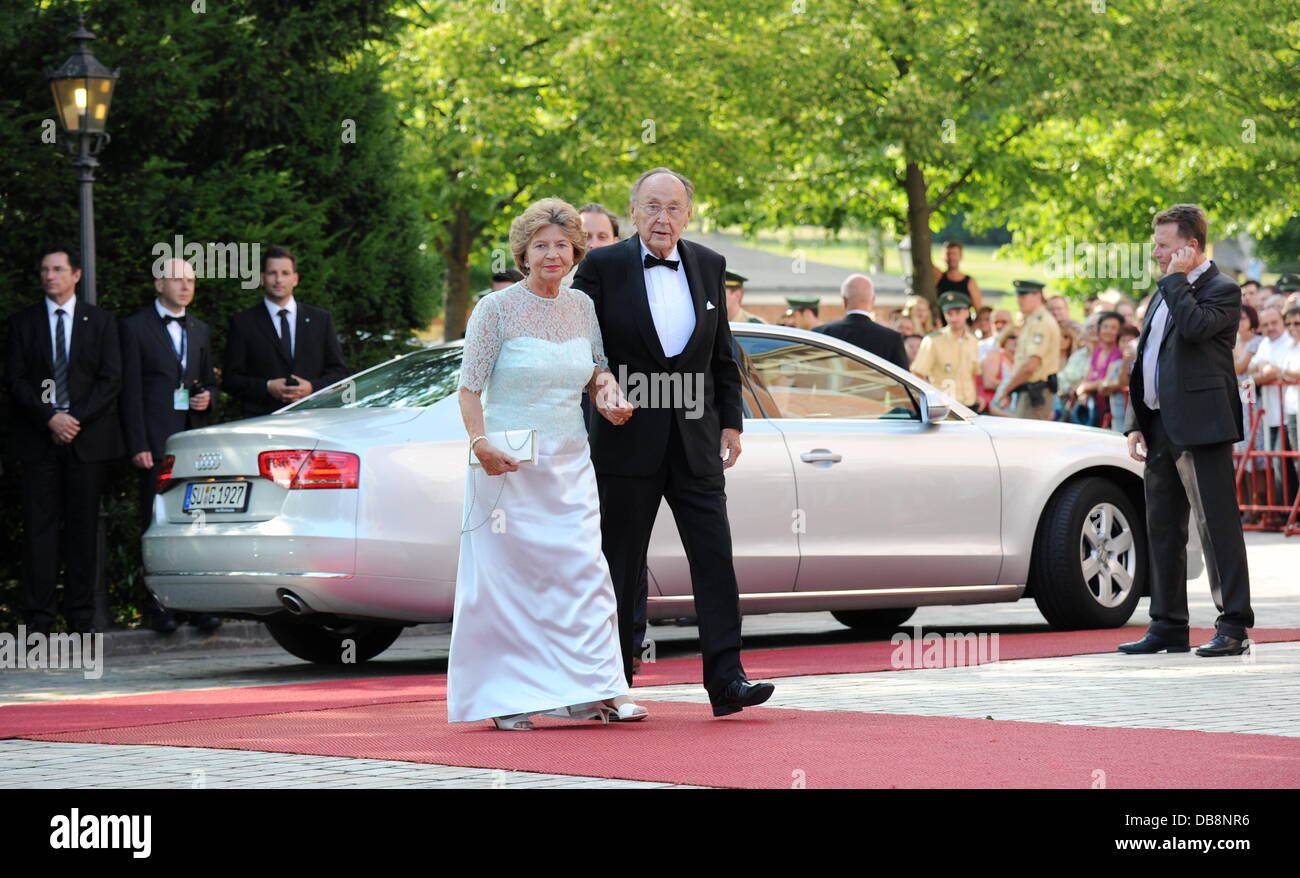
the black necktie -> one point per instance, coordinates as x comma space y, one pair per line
651, 261
286, 341
60, 363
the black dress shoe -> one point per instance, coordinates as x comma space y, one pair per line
205, 622
1152, 643
1222, 644
740, 694
163, 623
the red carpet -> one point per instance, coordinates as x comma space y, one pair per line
763, 747
26, 720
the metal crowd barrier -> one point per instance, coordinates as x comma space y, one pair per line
1281, 499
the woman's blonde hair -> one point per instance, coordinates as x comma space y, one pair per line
909, 311
547, 212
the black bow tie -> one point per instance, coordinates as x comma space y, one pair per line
651, 261
182, 320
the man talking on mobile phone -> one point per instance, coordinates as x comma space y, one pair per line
1184, 414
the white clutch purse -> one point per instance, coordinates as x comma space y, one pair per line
519, 444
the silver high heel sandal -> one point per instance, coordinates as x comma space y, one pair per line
517, 722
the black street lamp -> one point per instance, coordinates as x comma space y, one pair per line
83, 90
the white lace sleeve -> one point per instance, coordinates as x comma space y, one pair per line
593, 332
482, 344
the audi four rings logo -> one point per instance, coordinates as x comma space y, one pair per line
208, 460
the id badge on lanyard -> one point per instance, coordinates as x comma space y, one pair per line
181, 395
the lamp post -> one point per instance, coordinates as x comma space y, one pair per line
905, 261
83, 90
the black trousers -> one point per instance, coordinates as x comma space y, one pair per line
1198, 479
60, 520
628, 505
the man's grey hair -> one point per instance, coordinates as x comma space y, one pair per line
636, 187
858, 291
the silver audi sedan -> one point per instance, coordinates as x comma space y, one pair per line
863, 490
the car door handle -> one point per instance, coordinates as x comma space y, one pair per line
820, 455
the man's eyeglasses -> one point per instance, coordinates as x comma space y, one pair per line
675, 211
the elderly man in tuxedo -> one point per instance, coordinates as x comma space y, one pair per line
168, 385
1183, 417
64, 370
280, 350
663, 315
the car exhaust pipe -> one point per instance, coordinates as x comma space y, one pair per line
294, 604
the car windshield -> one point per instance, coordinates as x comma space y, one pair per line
413, 381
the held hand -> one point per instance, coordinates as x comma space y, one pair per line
730, 449
143, 460
278, 391
1137, 446
495, 462
301, 389
199, 402
65, 427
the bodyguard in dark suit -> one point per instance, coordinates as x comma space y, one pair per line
1183, 416
168, 385
856, 326
64, 371
280, 349
662, 312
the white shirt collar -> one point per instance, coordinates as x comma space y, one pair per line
866, 314
69, 307
291, 306
162, 309
1198, 271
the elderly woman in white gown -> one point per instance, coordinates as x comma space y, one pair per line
535, 625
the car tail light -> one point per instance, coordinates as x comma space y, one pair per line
301, 469
165, 476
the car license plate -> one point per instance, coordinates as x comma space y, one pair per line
216, 496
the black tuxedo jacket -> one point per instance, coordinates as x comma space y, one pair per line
151, 372
1199, 404
614, 278
254, 355
861, 330
94, 381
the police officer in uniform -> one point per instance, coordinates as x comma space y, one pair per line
1038, 356
802, 313
950, 358
734, 286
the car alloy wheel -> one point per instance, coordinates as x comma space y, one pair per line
1107, 555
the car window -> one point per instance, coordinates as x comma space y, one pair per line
413, 381
801, 380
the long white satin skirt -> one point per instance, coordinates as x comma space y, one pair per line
535, 624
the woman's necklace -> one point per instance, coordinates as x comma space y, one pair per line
524, 284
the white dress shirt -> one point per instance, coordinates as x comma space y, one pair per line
292, 307
70, 309
1275, 351
1151, 353
174, 330
671, 306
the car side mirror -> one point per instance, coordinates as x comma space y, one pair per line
934, 407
